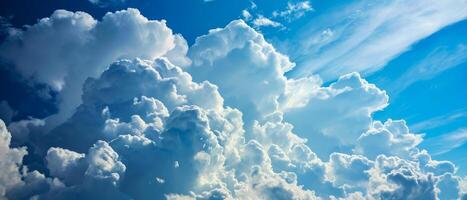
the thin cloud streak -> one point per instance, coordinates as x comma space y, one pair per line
438, 61
438, 121
366, 35
447, 142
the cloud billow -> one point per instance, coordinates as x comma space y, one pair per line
218, 120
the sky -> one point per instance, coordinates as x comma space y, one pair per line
246, 99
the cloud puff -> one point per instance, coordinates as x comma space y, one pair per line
262, 21
397, 140
244, 63
294, 10
10, 161
226, 124
126, 89
336, 119
277, 18
69, 44
16, 182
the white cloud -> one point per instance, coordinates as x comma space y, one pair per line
65, 164
341, 112
244, 63
395, 178
390, 138
16, 182
127, 88
438, 121
361, 31
278, 18
436, 62
262, 21
227, 125
10, 161
349, 171
246, 15
294, 10
70, 42
447, 141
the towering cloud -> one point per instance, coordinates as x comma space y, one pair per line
218, 120
66, 48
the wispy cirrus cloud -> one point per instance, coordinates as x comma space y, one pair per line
278, 18
447, 142
366, 35
439, 121
293, 11
262, 21
436, 62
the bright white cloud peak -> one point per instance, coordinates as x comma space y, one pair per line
364, 35
217, 120
70, 43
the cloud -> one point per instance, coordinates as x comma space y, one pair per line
278, 19
447, 142
360, 31
262, 21
10, 161
293, 11
436, 62
335, 118
396, 136
21, 130
16, 181
401, 180
127, 87
65, 164
6, 112
218, 120
69, 44
244, 63
349, 171
438, 121
246, 15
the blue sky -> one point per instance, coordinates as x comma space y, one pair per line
283, 64
426, 83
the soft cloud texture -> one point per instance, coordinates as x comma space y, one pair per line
294, 10
360, 31
447, 142
70, 42
222, 122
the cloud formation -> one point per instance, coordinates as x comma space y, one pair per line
69, 44
293, 11
359, 31
277, 18
217, 120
